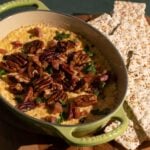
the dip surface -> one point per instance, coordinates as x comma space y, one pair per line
63, 80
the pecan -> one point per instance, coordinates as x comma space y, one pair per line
17, 58
57, 96
5, 66
27, 105
16, 44
52, 44
74, 112
67, 69
70, 111
16, 88
33, 47
47, 55
34, 70
17, 77
63, 46
51, 119
35, 59
85, 100
42, 83
54, 87
3, 51
35, 32
55, 64
57, 108
80, 58
29, 95
58, 77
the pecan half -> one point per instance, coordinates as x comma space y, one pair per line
17, 77
67, 69
53, 87
52, 44
56, 97
33, 47
85, 100
16, 88
18, 58
80, 58
42, 83
29, 95
63, 46
25, 106
47, 55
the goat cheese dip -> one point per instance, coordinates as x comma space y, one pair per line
55, 75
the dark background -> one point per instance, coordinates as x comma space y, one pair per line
78, 6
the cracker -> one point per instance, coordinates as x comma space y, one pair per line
133, 35
104, 23
128, 11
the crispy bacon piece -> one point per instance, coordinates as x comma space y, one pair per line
16, 44
3, 51
57, 108
35, 32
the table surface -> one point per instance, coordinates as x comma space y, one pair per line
13, 138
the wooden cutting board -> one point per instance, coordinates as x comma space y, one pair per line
13, 138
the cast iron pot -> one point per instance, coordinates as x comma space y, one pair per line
72, 134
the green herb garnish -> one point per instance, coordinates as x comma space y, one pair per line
96, 92
89, 68
63, 103
100, 112
61, 35
49, 70
88, 51
62, 117
2, 72
39, 100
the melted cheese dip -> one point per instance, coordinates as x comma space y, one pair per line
48, 34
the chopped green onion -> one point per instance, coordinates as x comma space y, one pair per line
2, 72
49, 70
89, 68
38, 100
61, 35
62, 117
63, 103
88, 51
96, 92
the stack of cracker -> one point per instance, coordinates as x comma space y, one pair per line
129, 31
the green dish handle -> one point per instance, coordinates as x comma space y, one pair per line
19, 3
67, 133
